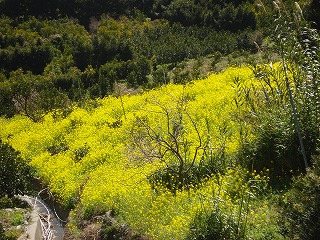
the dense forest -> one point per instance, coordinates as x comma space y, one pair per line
164, 119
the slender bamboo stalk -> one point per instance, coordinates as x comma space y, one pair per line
293, 107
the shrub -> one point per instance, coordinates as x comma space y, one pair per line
15, 174
2, 235
284, 100
275, 146
14, 202
215, 225
234, 209
301, 205
198, 172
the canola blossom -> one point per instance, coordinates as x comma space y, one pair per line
85, 158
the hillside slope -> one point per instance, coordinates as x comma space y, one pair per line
106, 156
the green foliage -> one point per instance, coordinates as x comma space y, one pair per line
170, 179
13, 202
6, 105
2, 233
275, 146
61, 61
211, 13
233, 222
81, 152
283, 103
56, 149
9, 220
313, 13
32, 95
109, 74
111, 229
301, 205
15, 173
213, 225
172, 44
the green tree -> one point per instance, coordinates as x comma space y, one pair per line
15, 174
6, 103
62, 76
185, 12
33, 95
109, 74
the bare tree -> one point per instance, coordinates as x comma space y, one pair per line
168, 141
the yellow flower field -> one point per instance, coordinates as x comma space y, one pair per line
87, 159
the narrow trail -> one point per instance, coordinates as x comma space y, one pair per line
44, 223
